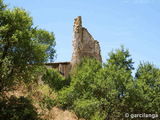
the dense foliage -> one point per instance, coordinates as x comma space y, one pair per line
17, 109
108, 92
23, 48
23, 51
54, 79
95, 91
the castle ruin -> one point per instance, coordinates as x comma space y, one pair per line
83, 45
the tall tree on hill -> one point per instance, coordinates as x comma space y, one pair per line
120, 65
148, 83
21, 45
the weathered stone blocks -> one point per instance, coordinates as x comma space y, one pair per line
83, 43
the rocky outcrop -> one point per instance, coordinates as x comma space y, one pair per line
83, 43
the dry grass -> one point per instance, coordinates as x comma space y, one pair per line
36, 93
57, 114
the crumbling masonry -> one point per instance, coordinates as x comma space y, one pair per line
83, 44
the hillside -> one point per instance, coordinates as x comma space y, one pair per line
37, 94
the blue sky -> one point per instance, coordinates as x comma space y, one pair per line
133, 23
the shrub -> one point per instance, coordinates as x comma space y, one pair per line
17, 109
53, 79
86, 108
49, 102
108, 92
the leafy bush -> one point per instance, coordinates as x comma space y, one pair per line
108, 92
86, 108
50, 103
80, 95
53, 78
17, 109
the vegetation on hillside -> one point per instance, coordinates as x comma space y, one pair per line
23, 50
21, 46
108, 92
94, 91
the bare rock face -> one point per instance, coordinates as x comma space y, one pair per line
83, 43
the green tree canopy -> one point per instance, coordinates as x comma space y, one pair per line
121, 59
149, 72
120, 65
97, 92
108, 92
23, 48
147, 81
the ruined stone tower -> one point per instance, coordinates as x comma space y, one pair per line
83, 43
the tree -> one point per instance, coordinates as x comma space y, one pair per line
118, 73
147, 82
148, 72
121, 59
54, 79
46, 38
98, 92
23, 48
80, 94
120, 65
110, 91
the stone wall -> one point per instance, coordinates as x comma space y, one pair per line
83, 43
